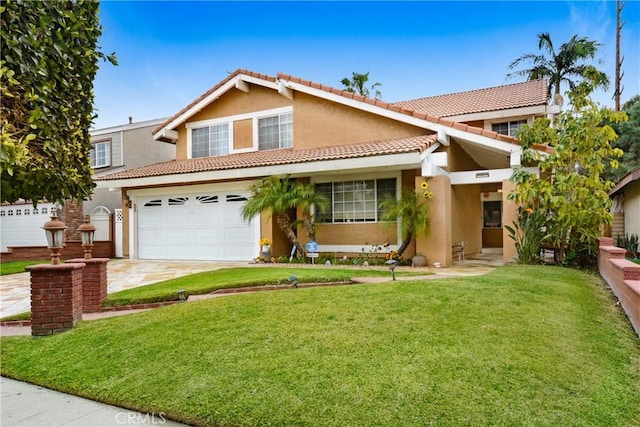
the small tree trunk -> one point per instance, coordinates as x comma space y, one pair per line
404, 244
285, 225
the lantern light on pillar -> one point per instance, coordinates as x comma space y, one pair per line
54, 230
87, 231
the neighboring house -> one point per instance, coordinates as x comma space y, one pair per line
115, 149
123, 147
353, 148
626, 205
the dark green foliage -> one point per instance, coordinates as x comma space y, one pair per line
628, 141
563, 66
528, 233
49, 60
630, 243
570, 188
281, 197
358, 84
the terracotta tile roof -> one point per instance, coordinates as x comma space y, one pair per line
490, 99
391, 107
404, 110
277, 157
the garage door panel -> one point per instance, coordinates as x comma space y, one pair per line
238, 235
177, 251
209, 235
179, 235
205, 226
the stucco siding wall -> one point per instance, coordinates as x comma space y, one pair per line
318, 122
237, 102
355, 234
232, 103
466, 217
243, 134
632, 208
459, 160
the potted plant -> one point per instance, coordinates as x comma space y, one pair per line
265, 248
419, 260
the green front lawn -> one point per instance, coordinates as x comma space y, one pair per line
524, 345
209, 281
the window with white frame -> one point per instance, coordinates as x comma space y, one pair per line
210, 140
508, 128
275, 132
355, 201
100, 154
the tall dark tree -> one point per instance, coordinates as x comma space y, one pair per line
628, 141
619, 73
358, 84
565, 66
49, 59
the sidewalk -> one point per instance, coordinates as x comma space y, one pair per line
28, 405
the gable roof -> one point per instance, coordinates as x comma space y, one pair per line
505, 97
285, 82
281, 156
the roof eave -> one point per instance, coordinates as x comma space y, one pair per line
237, 80
397, 161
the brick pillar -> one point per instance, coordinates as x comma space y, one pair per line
56, 297
94, 283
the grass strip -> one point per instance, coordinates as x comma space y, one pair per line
14, 267
226, 278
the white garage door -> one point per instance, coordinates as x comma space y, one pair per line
206, 226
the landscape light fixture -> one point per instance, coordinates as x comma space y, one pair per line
54, 230
87, 231
182, 295
392, 266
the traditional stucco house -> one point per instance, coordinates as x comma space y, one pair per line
122, 147
356, 149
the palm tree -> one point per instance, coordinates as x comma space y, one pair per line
411, 211
278, 196
562, 66
357, 84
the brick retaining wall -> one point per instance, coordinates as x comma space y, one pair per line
72, 249
623, 277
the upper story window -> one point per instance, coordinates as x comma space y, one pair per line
275, 132
355, 201
508, 128
100, 154
210, 140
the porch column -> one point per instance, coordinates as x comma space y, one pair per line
436, 246
509, 216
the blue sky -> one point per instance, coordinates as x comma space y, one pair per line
170, 52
